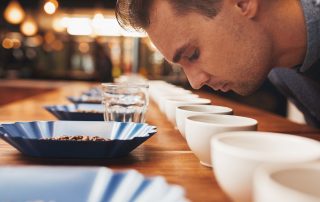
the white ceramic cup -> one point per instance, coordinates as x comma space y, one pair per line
166, 90
287, 183
172, 104
236, 155
201, 128
163, 99
183, 112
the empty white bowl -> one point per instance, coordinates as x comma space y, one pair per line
172, 104
162, 100
182, 112
287, 183
201, 128
236, 155
156, 92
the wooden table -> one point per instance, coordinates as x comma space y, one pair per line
166, 153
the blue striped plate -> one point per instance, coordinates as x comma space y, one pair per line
77, 112
28, 138
85, 99
84, 184
94, 91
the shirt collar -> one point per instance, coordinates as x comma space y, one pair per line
312, 17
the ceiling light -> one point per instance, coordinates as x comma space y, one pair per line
14, 13
50, 6
29, 27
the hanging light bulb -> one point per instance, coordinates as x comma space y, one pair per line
97, 23
14, 13
57, 25
51, 6
98, 20
29, 27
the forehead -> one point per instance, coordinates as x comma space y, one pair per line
167, 30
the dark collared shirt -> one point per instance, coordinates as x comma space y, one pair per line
302, 84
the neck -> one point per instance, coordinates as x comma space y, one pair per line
289, 33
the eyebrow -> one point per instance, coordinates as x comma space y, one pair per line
178, 53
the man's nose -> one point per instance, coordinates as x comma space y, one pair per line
196, 77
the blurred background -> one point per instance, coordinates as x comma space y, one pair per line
81, 40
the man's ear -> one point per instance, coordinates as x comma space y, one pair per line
248, 8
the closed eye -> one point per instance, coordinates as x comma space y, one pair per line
195, 55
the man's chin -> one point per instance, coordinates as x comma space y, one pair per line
245, 91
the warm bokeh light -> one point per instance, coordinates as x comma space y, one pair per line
97, 20
29, 27
96, 26
16, 43
14, 13
79, 26
34, 41
50, 6
7, 43
58, 25
65, 22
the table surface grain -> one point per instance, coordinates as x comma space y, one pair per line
166, 153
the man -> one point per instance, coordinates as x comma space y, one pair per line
235, 44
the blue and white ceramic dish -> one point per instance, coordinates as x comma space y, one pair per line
29, 138
84, 184
85, 99
94, 91
78, 112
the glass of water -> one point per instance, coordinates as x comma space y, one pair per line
125, 102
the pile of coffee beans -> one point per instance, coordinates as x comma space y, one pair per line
89, 111
79, 138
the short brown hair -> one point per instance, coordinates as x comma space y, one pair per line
135, 13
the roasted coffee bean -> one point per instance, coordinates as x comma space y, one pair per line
78, 138
88, 111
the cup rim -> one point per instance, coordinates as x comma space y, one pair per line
223, 108
250, 121
175, 92
217, 144
191, 95
125, 85
265, 171
189, 101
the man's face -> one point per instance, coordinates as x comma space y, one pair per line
227, 52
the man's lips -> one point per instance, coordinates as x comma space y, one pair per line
223, 86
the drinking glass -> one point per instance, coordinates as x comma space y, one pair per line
125, 102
